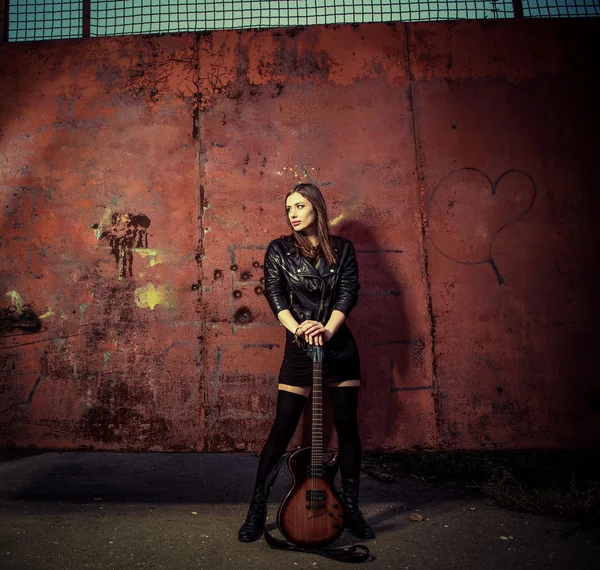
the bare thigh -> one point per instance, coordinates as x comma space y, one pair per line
345, 384
302, 390
305, 390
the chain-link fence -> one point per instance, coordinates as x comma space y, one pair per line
52, 19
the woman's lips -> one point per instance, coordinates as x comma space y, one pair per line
295, 223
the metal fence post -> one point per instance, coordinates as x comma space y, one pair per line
85, 32
4, 19
518, 8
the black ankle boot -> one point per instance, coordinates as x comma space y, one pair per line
354, 519
257, 513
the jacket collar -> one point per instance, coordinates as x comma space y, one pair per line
304, 265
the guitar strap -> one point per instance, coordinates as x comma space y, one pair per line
354, 553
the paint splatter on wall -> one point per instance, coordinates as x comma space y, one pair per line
124, 233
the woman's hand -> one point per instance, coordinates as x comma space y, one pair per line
311, 331
314, 332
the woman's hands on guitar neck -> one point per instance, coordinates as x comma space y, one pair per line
313, 332
316, 333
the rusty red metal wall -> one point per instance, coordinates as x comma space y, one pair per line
143, 177
506, 125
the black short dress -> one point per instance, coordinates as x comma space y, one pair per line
341, 360
288, 273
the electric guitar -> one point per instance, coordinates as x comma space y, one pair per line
311, 514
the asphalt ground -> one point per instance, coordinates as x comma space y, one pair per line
75, 510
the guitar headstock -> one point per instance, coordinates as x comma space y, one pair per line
315, 352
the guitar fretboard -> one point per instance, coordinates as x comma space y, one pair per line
317, 421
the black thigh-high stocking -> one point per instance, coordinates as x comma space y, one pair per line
287, 416
344, 402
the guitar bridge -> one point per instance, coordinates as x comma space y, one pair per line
316, 510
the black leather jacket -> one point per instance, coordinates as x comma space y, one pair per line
308, 291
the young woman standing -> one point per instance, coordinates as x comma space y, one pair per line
311, 284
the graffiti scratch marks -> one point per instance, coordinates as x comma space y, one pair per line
154, 68
490, 206
208, 86
147, 83
27, 404
124, 233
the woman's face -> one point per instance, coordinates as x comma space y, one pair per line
300, 212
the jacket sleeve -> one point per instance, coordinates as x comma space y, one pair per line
275, 290
349, 286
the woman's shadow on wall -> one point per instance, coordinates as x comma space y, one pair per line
380, 326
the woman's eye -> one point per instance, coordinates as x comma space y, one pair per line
301, 206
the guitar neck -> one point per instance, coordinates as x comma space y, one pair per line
317, 420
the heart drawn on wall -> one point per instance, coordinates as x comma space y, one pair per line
467, 210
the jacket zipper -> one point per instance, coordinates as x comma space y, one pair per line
322, 292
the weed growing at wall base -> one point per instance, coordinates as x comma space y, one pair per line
563, 484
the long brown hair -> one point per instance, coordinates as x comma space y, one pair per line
324, 249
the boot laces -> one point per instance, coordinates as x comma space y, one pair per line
256, 511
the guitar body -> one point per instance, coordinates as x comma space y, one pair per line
311, 514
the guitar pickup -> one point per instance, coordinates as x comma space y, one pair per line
315, 495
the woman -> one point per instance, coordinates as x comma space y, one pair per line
311, 284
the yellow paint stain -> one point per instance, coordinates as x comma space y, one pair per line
15, 299
336, 220
121, 258
105, 221
147, 297
49, 312
151, 253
